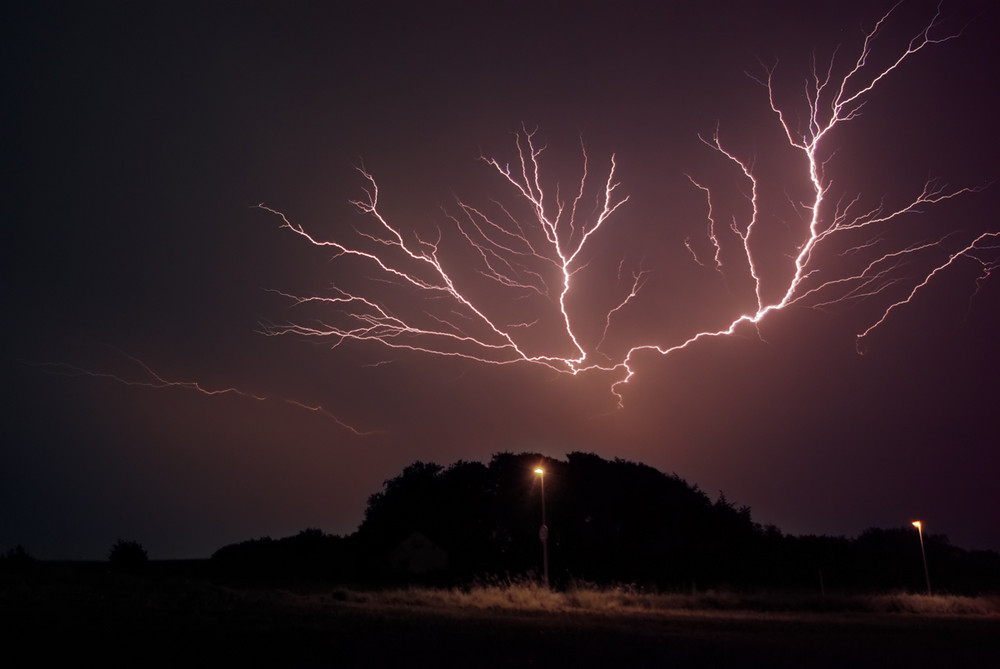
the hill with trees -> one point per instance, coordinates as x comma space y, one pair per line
608, 521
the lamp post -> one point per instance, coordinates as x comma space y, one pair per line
927, 576
543, 531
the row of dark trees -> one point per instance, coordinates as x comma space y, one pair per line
609, 522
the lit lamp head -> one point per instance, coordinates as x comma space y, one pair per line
539, 471
916, 524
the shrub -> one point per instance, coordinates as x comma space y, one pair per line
16, 559
127, 555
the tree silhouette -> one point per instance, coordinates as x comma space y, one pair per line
127, 555
311, 555
17, 558
608, 520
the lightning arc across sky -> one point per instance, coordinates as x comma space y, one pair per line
529, 252
149, 378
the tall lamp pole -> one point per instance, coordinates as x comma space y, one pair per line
927, 576
543, 531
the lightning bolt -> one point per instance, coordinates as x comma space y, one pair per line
499, 282
534, 262
148, 378
444, 287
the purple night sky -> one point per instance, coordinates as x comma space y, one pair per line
140, 138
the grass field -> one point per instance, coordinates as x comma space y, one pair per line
104, 619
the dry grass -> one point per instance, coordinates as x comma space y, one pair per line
942, 605
492, 625
529, 596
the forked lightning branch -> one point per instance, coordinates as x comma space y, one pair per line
530, 244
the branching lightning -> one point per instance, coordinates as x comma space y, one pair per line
500, 282
535, 261
532, 249
148, 378
536, 257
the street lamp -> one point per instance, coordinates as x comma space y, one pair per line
920, 530
543, 531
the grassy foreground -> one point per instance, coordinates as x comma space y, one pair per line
628, 600
120, 620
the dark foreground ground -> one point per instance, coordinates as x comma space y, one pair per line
95, 618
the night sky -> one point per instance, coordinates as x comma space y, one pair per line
139, 139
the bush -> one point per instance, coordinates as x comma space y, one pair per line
16, 559
127, 555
